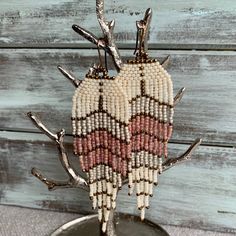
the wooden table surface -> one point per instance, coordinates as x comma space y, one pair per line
36, 36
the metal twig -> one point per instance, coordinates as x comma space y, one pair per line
75, 180
179, 96
185, 156
52, 184
69, 76
166, 62
108, 41
143, 29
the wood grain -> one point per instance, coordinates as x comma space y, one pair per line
30, 81
202, 24
198, 194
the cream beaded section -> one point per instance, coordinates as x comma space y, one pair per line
100, 123
150, 93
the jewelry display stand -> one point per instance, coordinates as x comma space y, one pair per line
124, 225
116, 224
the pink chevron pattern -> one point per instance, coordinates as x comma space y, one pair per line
100, 123
150, 94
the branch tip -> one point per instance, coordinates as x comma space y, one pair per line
166, 62
69, 76
185, 156
179, 96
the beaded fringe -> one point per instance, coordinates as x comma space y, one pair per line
121, 128
150, 92
101, 139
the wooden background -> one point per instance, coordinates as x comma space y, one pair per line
36, 36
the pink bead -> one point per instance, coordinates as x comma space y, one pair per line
151, 144
116, 147
105, 138
109, 159
156, 128
93, 141
102, 153
160, 129
97, 139
96, 156
86, 165
90, 158
84, 145
159, 148
106, 156
114, 163
142, 123
79, 145
89, 142
165, 150
170, 130
119, 164
146, 142
156, 146
93, 158
113, 145
165, 136
81, 160
124, 168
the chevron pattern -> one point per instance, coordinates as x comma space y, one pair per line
121, 128
150, 93
100, 124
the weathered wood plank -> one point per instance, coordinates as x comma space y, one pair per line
47, 23
29, 81
197, 194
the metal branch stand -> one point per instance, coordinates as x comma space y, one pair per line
124, 225
118, 224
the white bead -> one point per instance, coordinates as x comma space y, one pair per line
100, 215
113, 204
104, 227
146, 201
142, 213
150, 189
146, 190
106, 214
94, 203
108, 203
155, 177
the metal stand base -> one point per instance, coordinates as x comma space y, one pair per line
126, 225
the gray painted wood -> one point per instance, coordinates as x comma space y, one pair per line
202, 24
30, 81
198, 194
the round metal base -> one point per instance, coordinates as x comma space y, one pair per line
126, 225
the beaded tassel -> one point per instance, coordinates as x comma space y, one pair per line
150, 94
100, 127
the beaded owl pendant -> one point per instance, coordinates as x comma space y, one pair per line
100, 123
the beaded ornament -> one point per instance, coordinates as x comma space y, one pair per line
100, 127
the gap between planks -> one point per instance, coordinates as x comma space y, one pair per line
173, 141
128, 46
